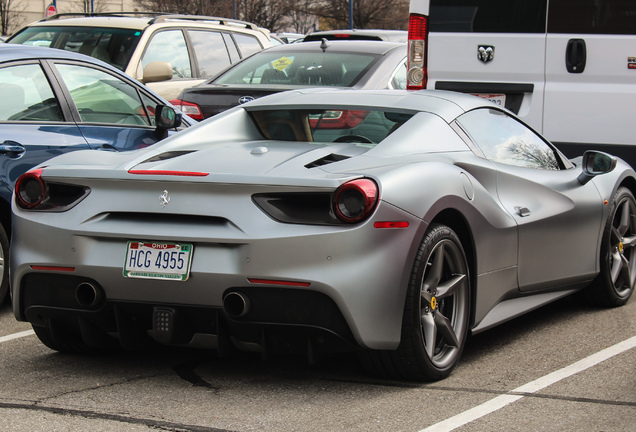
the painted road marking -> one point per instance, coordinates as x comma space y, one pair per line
531, 387
16, 335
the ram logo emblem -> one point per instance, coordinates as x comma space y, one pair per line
485, 53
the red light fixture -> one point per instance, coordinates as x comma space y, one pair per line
391, 224
169, 173
417, 76
30, 189
355, 200
190, 109
278, 282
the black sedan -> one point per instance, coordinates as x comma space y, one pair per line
354, 64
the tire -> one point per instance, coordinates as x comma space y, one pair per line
615, 283
436, 313
4, 265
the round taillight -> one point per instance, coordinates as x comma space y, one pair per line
355, 200
30, 189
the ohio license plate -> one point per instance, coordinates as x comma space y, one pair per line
497, 99
158, 260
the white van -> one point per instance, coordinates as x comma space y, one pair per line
566, 67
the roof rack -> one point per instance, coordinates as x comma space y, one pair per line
157, 17
98, 14
221, 21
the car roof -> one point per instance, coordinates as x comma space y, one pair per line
353, 46
16, 52
359, 34
138, 21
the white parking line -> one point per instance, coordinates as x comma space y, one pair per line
16, 335
531, 387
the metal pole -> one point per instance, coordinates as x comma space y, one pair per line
351, 14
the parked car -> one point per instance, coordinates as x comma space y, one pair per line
359, 64
389, 223
166, 52
568, 68
56, 102
358, 34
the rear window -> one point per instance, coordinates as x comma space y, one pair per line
299, 68
488, 16
362, 127
114, 46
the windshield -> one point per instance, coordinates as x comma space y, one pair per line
299, 68
364, 127
112, 45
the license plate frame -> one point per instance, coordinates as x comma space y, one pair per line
498, 99
158, 260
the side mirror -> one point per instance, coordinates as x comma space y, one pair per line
166, 118
595, 163
157, 71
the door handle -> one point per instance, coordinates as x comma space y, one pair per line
576, 56
11, 149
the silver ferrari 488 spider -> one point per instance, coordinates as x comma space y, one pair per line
391, 223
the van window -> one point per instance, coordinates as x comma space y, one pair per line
592, 17
488, 16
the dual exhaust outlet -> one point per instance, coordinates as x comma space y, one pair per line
235, 304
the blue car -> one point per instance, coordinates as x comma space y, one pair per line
53, 102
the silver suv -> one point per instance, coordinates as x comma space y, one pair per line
166, 52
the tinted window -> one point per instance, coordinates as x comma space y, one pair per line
592, 16
29, 93
298, 68
103, 98
211, 52
169, 46
504, 140
488, 16
114, 46
247, 45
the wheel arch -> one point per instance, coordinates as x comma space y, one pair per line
455, 220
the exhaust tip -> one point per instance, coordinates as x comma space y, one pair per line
236, 304
87, 294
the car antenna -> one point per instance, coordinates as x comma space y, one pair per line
324, 44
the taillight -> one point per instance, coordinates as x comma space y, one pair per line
355, 200
417, 76
188, 108
30, 189
32, 192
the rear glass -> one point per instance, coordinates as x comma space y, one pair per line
112, 45
299, 68
363, 127
488, 16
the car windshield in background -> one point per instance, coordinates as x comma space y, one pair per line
112, 45
329, 125
302, 68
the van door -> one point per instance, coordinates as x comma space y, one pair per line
590, 91
492, 48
